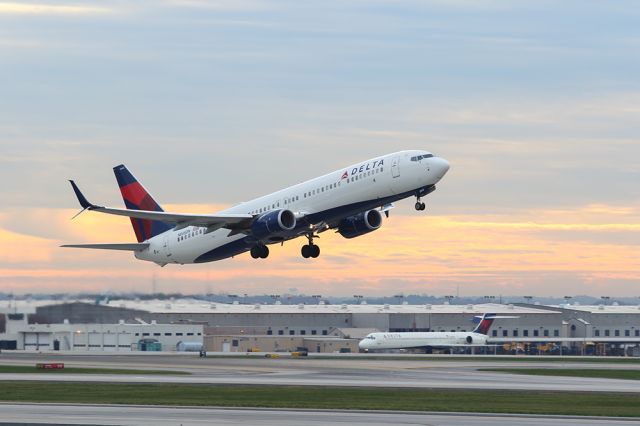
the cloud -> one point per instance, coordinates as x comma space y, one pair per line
498, 253
222, 5
10, 8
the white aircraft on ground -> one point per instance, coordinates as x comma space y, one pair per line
349, 200
435, 339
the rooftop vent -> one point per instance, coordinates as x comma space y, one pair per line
212, 306
427, 306
344, 306
121, 322
601, 307
257, 306
301, 306
386, 306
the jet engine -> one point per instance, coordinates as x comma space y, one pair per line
360, 224
469, 339
273, 222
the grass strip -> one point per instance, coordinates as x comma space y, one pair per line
81, 370
572, 372
520, 402
462, 358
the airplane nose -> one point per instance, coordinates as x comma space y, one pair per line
440, 166
444, 166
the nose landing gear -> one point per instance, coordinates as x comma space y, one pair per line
420, 205
260, 251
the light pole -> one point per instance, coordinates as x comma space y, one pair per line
317, 297
528, 299
605, 299
358, 298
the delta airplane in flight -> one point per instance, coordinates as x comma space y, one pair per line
437, 339
350, 200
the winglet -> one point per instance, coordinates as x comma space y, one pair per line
81, 198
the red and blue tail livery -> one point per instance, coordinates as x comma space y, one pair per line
485, 323
136, 197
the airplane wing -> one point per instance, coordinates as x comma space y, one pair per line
182, 220
125, 246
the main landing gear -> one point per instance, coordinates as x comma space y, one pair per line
420, 205
260, 251
310, 250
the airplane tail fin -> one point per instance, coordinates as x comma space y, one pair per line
486, 320
136, 197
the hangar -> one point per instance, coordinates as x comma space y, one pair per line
321, 327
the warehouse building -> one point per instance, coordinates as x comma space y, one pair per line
21, 332
236, 327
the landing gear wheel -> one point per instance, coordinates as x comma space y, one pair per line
420, 206
260, 252
310, 250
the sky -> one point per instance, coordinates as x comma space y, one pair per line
536, 105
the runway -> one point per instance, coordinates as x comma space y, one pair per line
450, 374
161, 416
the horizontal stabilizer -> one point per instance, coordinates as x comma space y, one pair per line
123, 246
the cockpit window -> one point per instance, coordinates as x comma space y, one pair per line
420, 157
370, 337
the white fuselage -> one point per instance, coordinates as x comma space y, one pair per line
406, 340
326, 199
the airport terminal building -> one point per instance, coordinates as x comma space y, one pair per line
184, 324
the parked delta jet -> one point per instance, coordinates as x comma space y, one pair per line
349, 200
435, 339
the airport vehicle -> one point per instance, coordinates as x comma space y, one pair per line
350, 200
434, 339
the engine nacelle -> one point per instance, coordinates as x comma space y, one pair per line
273, 222
360, 224
469, 339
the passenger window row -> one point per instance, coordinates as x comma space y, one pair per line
291, 200
193, 233
365, 174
